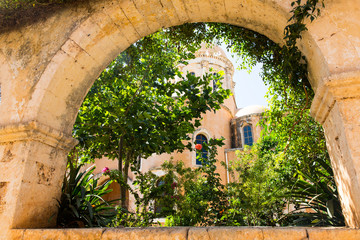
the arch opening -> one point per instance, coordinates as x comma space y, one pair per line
247, 133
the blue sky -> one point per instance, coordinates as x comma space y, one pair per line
249, 88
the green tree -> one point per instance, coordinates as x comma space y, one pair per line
136, 108
288, 120
311, 183
256, 192
193, 197
285, 71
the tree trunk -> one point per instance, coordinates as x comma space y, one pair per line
120, 168
125, 177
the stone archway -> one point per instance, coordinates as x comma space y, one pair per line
48, 67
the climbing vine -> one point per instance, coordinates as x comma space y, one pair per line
281, 63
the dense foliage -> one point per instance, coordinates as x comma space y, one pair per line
143, 105
185, 197
81, 203
288, 121
256, 192
201, 197
286, 183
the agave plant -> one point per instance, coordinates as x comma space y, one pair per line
82, 203
316, 199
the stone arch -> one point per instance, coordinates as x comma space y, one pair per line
114, 26
52, 67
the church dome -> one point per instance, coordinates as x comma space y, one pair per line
208, 50
213, 54
249, 110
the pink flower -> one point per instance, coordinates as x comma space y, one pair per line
176, 197
198, 147
173, 185
105, 170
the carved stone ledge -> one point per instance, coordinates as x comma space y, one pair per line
35, 131
335, 87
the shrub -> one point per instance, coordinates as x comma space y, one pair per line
82, 203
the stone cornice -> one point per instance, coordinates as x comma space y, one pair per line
227, 62
35, 131
246, 117
340, 86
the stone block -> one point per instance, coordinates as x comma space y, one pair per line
198, 233
171, 13
63, 234
118, 16
333, 234
154, 15
44, 234
15, 234
180, 10
150, 233
135, 18
236, 233
284, 233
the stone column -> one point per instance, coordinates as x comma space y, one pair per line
32, 163
337, 107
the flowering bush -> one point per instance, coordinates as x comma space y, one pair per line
200, 198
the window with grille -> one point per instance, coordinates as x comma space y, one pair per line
200, 139
248, 139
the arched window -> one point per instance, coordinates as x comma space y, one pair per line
215, 87
248, 139
166, 186
200, 139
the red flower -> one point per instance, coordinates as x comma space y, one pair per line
198, 147
173, 185
176, 197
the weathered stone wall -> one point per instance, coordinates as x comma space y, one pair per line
337, 107
47, 68
31, 175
